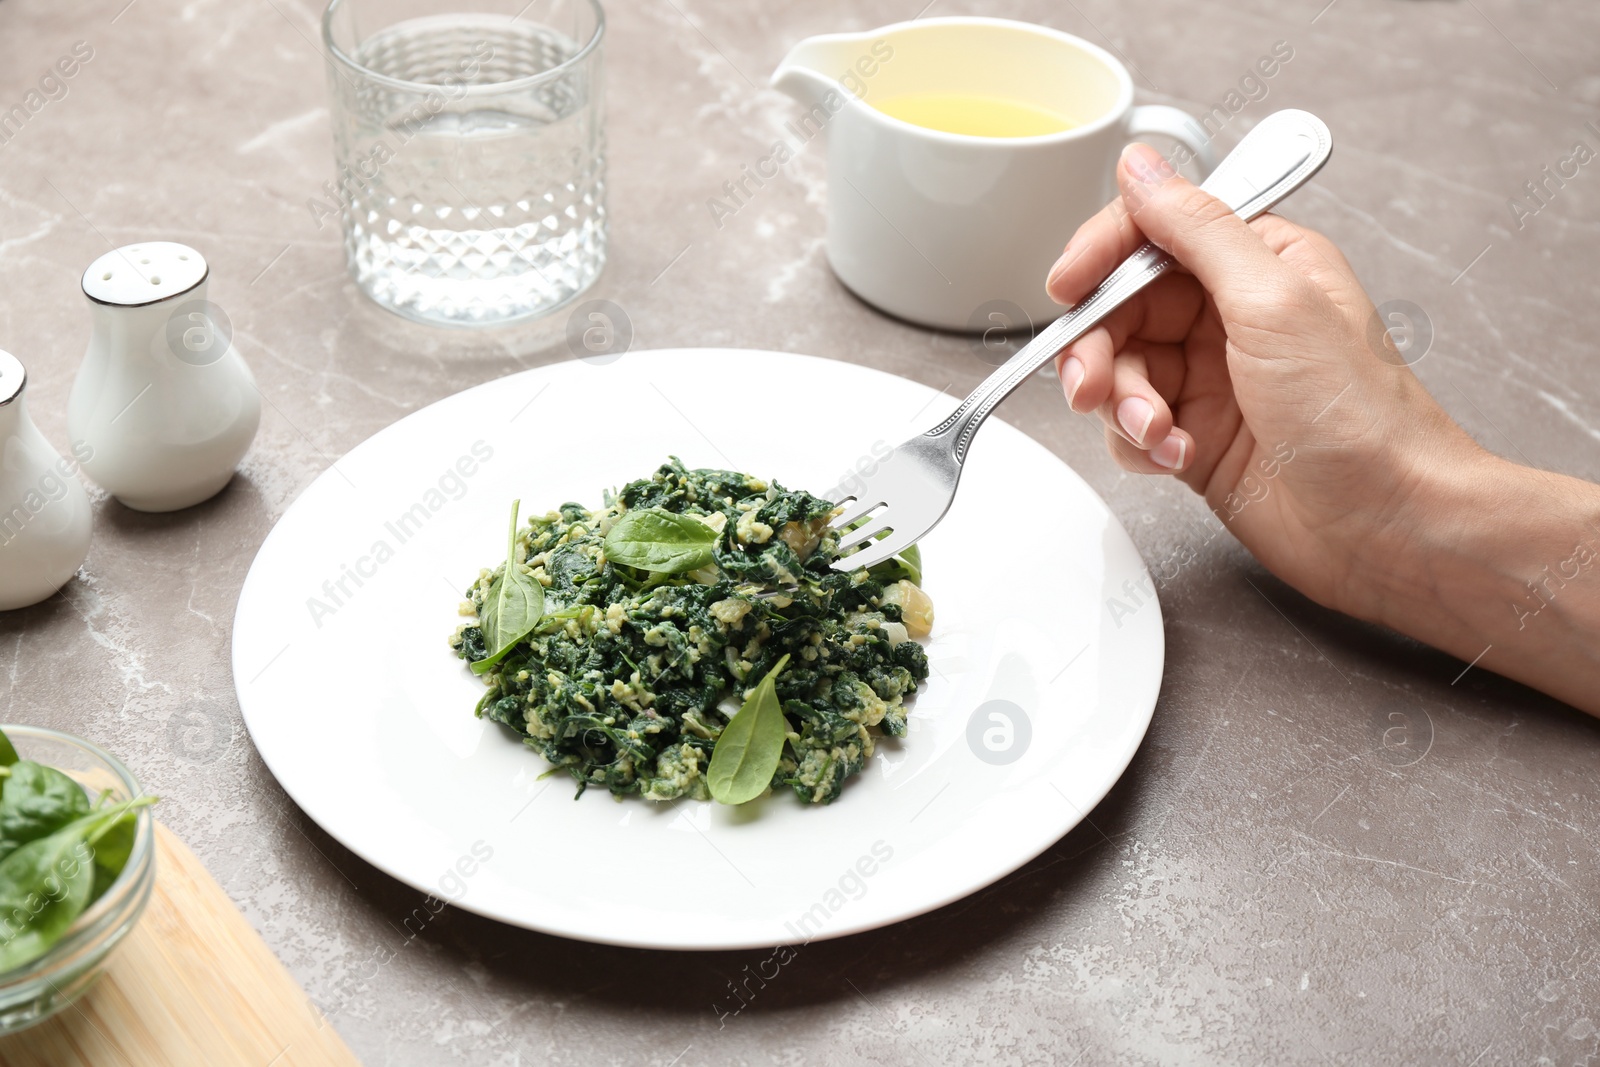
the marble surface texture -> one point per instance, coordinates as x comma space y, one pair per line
1267, 884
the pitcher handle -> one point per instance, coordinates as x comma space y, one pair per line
1179, 125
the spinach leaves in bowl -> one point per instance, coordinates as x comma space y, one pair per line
61, 851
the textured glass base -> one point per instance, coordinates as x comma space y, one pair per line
474, 277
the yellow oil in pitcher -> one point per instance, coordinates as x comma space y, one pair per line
974, 115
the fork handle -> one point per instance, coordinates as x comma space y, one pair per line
1273, 160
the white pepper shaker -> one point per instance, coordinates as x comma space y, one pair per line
44, 512
163, 400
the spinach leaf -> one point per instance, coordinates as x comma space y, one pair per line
746, 755
665, 542
8, 753
513, 607
912, 558
907, 564
44, 886
112, 851
37, 801
47, 883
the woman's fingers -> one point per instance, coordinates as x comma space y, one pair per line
1172, 456
1167, 367
1166, 311
1135, 409
1089, 375
1133, 392
1084, 368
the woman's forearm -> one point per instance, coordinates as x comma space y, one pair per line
1503, 570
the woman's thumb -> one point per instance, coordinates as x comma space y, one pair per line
1200, 232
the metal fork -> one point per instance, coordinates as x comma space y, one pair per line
905, 495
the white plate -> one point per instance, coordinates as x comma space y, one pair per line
357, 705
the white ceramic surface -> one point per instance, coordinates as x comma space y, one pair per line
163, 400
357, 705
45, 522
935, 227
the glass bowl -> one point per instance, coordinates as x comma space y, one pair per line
35, 991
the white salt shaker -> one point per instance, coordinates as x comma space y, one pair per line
163, 401
44, 512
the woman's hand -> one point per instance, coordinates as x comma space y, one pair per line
1261, 375
1258, 375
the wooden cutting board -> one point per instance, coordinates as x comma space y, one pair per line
191, 984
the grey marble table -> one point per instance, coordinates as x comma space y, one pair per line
1268, 883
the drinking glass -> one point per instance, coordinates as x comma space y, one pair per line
470, 147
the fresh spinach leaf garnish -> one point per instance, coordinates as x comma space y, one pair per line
513, 607
912, 559
665, 542
746, 755
8, 753
907, 565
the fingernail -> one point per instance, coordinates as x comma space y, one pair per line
1145, 165
1170, 453
1068, 256
1071, 378
1136, 415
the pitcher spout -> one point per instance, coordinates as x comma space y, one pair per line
832, 70
805, 85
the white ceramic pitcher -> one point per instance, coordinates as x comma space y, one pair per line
937, 227
163, 399
44, 512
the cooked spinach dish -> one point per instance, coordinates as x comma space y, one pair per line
692, 639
